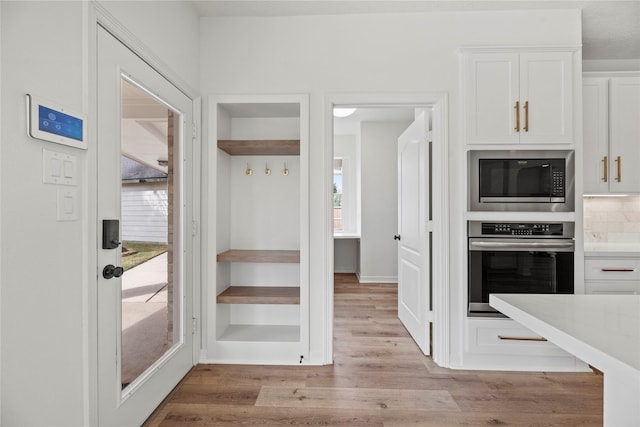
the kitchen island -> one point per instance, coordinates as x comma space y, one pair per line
602, 330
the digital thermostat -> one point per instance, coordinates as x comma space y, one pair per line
54, 123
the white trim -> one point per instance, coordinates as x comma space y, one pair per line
90, 226
196, 217
520, 49
84, 359
377, 279
439, 102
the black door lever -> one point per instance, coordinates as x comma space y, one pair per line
111, 271
396, 237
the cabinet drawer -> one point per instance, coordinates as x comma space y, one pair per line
603, 269
613, 287
505, 336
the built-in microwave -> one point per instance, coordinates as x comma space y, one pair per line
522, 180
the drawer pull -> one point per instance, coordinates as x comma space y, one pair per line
618, 270
521, 338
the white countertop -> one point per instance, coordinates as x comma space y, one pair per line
603, 330
611, 249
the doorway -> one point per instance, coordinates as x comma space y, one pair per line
438, 311
145, 294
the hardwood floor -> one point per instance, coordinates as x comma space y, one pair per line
379, 378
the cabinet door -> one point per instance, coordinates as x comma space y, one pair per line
624, 134
546, 114
492, 92
595, 120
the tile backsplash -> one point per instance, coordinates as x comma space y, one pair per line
612, 219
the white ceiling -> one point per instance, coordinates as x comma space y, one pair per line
611, 28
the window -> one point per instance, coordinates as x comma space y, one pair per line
338, 195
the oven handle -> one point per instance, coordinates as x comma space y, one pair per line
521, 245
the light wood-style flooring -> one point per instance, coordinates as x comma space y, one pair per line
379, 378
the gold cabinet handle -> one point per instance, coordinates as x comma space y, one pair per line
522, 338
606, 173
619, 162
517, 108
526, 116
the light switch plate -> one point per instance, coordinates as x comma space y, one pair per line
68, 204
59, 168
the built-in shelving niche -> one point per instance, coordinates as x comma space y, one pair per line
259, 312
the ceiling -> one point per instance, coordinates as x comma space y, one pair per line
611, 28
144, 127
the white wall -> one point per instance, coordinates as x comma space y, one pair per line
386, 53
169, 30
46, 284
42, 280
379, 163
345, 251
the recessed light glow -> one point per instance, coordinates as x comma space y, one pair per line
343, 112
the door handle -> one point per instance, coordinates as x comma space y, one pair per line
619, 162
517, 108
111, 271
606, 172
526, 116
396, 237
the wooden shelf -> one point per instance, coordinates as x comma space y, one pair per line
263, 147
260, 295
250, 255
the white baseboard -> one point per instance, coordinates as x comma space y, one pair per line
377, 279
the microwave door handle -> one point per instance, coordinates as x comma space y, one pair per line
521, 245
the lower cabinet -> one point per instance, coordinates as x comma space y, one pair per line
612, 275
503, 344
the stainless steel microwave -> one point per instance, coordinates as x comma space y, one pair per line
522, 180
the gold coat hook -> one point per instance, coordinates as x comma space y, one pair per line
267, 171
249, 171
285, 171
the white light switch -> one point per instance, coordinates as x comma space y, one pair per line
59, 168
55, 168
67, 204
69, 169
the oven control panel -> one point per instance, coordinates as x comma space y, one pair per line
522, 229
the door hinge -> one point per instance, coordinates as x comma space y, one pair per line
194, 325
194, 131
194, 228
429, 225
429, 316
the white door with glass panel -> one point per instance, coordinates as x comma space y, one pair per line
145, 341
413, 233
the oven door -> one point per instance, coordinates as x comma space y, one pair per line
534, 266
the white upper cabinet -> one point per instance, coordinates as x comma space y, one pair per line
611, 124
595, 122
518, 97
624, 134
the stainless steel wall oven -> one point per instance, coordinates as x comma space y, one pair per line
528, 257
522, 180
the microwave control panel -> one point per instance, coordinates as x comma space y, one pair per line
558, 184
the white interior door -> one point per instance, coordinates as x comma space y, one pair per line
144, 313
413, 225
